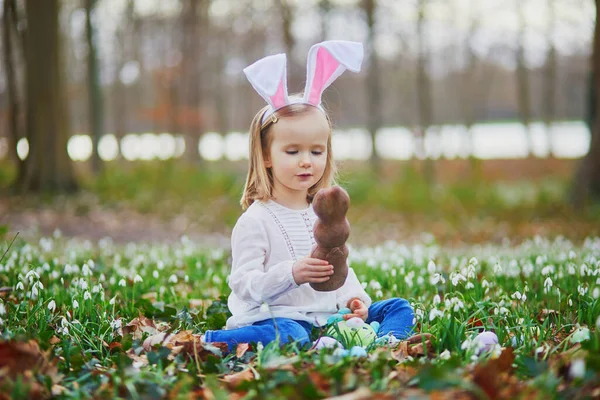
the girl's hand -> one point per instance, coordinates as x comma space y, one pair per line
313, 270
359, 309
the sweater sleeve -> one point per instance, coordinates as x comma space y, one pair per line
352, 288
248, 279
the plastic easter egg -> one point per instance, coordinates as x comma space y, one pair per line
335, 318
358, 351
327, 342
375, 326
364, 335
344, 311
486, 341
355, 323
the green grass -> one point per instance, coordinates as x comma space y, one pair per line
74, 298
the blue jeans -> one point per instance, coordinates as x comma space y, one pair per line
394, 315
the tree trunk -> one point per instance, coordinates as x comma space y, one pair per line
373, 87
14, 128
549, 97
586, 185
48, 166
423, 91
325, 7
523, 92
286, 15
468, 87
96, 103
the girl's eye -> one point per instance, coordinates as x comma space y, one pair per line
317, 153
292, 151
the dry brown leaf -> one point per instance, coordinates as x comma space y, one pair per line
54, 340
138, 360
234, 380
362, 393
241, 349
493, 374
19, 357
141, 325
323, 383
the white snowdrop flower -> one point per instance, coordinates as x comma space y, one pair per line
116, 324
2, 309
264, 308
160, 265
162, 290
434, 313
580, 335
577, 370
97, 288
419, 313
39, 285
54, 275
75, 304
547, 270
469, 285
524, 297
501, 310
570, 302
31, 274
436, 299
473, 261
431, 267
394, 273
571, 269
122, 283
101, 278
155, 274
584, 270
1, 322
102, 296
516, 295
112, 301
548, 283
137, 279
467, 344
456, 278
485, 283
459, 305
572, 255
379, 294
34, 291
420, 280
596, 292
173, 278
498, 269
540, 349
445, 355
582, 290
83, 284
375, 285
363, 284
85, 270
87, 295
52, 305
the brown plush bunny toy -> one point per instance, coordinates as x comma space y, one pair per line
331, 232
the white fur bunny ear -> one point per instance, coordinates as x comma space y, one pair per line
268, 78
326, 62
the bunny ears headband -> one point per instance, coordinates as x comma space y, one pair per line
326, 62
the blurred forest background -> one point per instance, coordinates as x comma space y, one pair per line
476, 118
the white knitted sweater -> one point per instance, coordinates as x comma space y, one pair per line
266, 241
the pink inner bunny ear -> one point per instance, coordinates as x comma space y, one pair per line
278, 100
326, 62
325, 67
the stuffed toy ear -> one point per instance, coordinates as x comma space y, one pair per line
268, 78
326, 62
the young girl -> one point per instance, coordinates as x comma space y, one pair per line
290, 160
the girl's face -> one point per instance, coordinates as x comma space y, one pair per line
298, 152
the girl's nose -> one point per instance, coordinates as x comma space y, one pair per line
305, 162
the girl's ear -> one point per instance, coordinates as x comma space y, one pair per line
267, 158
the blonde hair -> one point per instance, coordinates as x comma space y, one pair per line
259, 182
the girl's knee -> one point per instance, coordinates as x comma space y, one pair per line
290, 331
